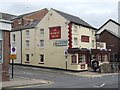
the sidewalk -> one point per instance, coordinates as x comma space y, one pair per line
89, 74
22, 81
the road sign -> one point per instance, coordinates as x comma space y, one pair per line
13, 56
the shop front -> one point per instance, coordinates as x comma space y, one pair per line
81, 58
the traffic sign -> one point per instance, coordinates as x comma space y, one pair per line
13, 56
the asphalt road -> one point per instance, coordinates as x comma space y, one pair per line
61, 80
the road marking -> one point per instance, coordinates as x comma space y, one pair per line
34, 85
99, 86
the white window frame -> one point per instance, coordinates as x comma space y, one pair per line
28, 44
42, 43
13, 37
42, 32
27, 33
75, 41
26, 58
83, 58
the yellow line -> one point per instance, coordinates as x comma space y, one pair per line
28, 86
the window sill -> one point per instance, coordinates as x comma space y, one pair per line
74, 64
41, 63
27, 62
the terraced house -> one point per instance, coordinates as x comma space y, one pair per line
58, 40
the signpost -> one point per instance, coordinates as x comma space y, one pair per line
66, 55
13, 56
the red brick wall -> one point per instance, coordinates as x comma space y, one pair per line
6, 50
112, 42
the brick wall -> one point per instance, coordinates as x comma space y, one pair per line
27, 18
6, 49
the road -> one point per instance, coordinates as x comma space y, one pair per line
62, 80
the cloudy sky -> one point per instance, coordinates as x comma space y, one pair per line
95, 12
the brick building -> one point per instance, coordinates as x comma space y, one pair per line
5, 28
109, 33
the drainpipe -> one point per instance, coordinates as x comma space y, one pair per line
21, 44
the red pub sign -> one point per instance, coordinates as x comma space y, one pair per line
55, 32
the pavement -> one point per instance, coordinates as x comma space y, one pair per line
23, 81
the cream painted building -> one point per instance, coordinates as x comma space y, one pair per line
45, 44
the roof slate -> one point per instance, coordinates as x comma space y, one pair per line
30, 25
6, 16
74, 19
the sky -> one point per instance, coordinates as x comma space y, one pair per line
95, 12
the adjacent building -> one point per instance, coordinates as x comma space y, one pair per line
20, 23
109, 33
5, 28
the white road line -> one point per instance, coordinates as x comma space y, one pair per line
102, 85
99, 86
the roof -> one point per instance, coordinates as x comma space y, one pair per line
20, 16
112, 33
74, 19
108, 22
30, 25
6, 16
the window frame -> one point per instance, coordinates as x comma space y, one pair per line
27, 58
42, 32
41, 58
42, 44
28, 44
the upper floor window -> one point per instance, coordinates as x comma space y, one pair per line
41, 32
13, 37
75, 29
41, 43
27, 43
75, 41
27, 33
93, 43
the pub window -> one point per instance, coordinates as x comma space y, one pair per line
93, 42
27, 57
74, 59
81, 58
75, 41
41, 58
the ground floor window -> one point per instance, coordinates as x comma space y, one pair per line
27, 58
41, 58
74, 59
104, 57
81, 58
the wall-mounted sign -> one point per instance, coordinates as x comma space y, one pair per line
60, 43
84, 38
55, 33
